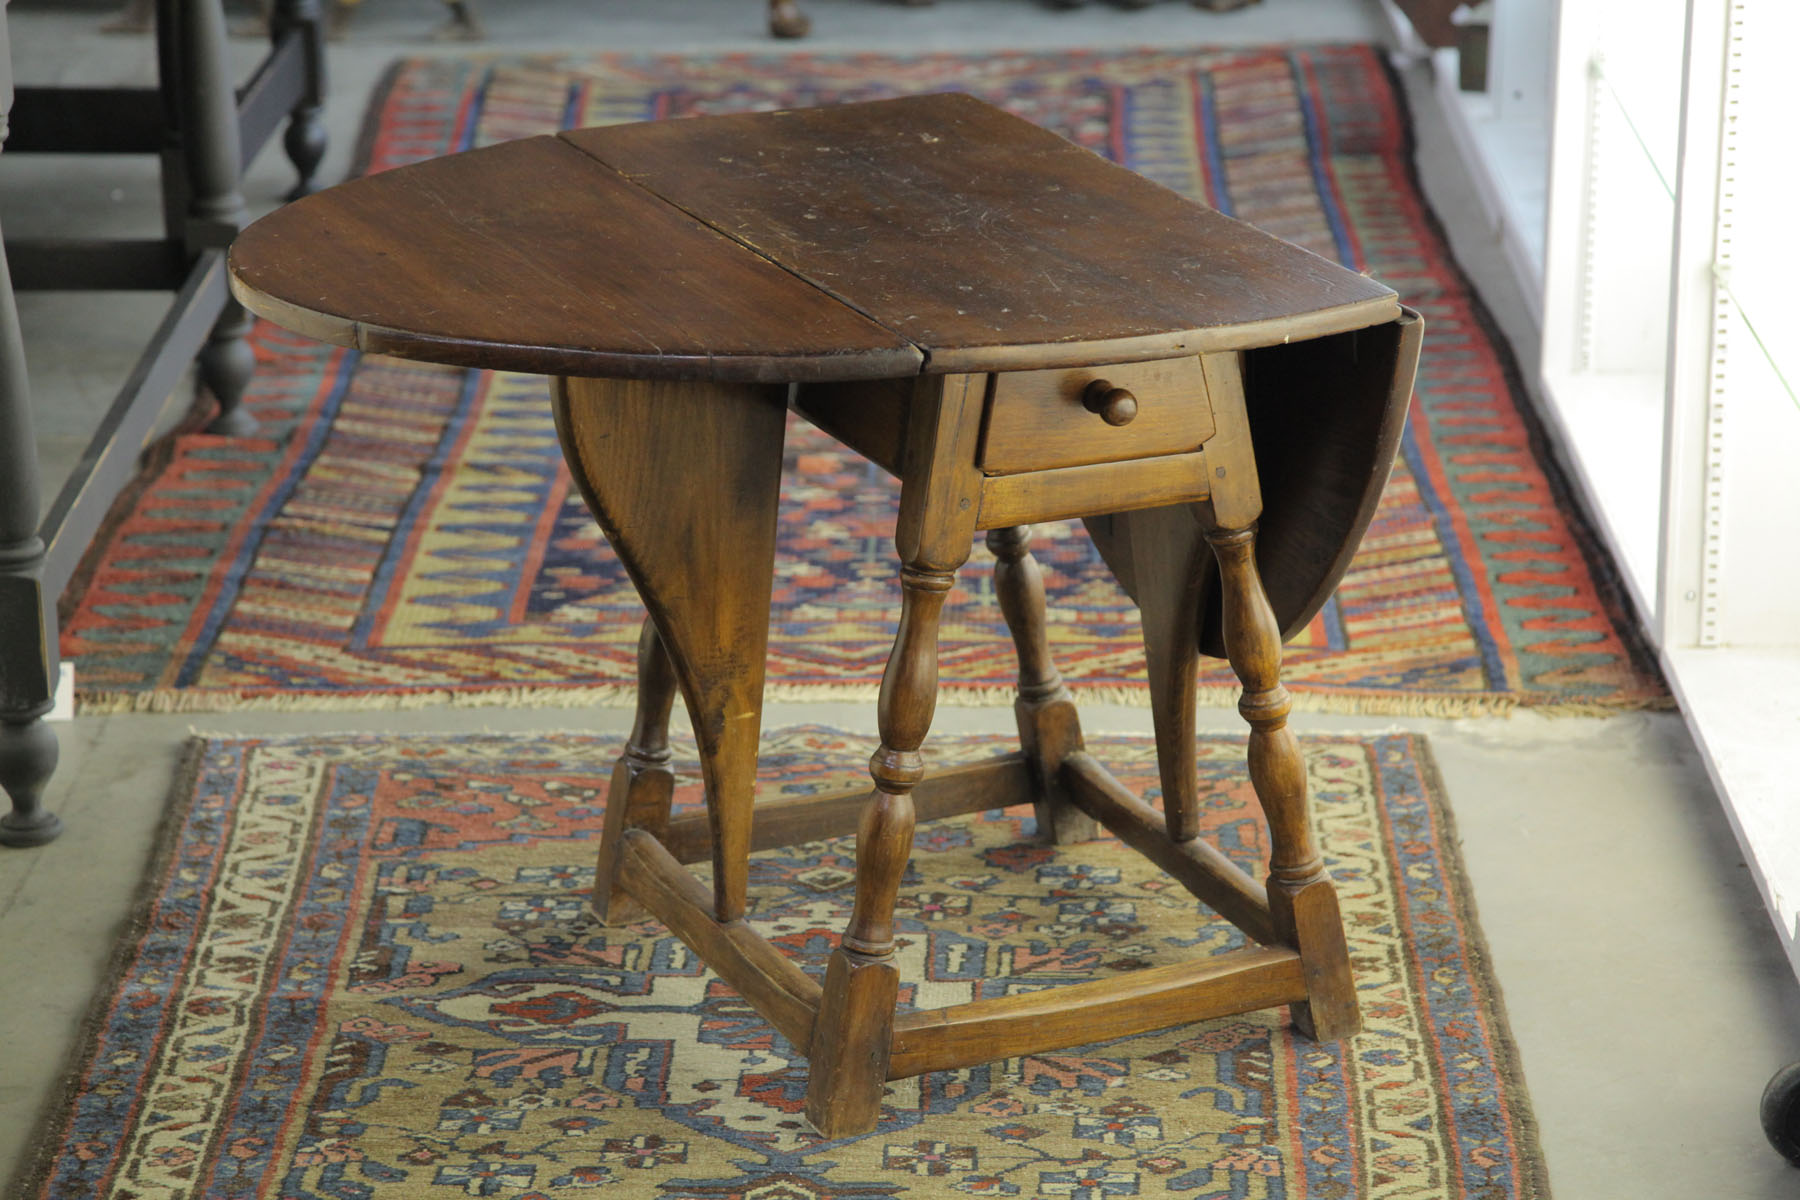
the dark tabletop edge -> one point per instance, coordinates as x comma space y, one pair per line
1248, 335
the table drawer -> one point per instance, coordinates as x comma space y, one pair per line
1039, 420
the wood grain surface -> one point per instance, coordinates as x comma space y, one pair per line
988, 242
858, 241
529, 256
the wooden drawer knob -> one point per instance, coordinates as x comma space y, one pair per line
1116, 405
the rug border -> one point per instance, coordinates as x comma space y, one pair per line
1420, 704
48, 1137
1482, 976
43, 1148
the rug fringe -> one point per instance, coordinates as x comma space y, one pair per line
623, 695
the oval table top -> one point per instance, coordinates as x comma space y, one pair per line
932, 234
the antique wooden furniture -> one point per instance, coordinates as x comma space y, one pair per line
204, 132
1020, 332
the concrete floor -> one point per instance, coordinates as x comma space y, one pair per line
1646, 989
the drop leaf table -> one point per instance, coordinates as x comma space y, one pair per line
1018, 331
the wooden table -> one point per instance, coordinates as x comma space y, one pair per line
1020, 332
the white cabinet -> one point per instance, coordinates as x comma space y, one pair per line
1641, 162
1671, 353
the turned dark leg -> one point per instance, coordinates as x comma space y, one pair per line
463, 25
1049, 727
212, 159
28, 753
643, 784
1302, 901
787, 21
305, 139
28, 666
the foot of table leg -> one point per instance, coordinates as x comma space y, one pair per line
643, 785
28, 754
1302, 901
1049, 727
854, 1033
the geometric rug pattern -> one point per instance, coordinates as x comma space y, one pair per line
398, 533
364, 969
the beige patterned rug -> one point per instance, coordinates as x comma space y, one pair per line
365, 971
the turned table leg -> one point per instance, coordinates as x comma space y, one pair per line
853, 1036
305, 140
1302, 901
1049, 727
212, 162
643, 784
28, 656
684, 479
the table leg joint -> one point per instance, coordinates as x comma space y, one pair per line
777, 988
1095, 1010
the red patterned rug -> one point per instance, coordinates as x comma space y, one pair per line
364, 971
403, 534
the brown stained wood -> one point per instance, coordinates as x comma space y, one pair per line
1171, 565
530, 256
870, 417
787, 996
1325, 418
942, 486
1034, 418
1099, 487
1195, 864
1020, 332
958, 239
684, 480
852, 1039
1075, 1014
643, 783
990, 243
1049, 727
932, 535
1237, 496
1330, 1011
1301, 901
1005, 781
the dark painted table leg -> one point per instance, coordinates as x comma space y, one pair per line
305, 139
212, 160
28, 664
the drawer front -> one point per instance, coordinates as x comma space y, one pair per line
1038, 421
